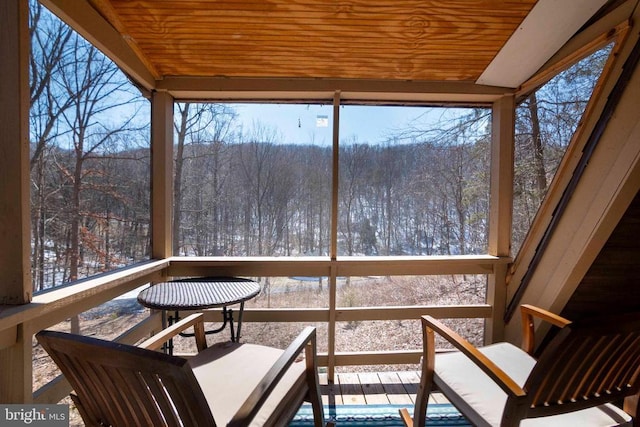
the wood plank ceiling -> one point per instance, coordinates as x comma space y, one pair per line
416, 40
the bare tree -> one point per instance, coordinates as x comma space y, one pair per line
207, 127
354, 161
545, 123
259, 166
49, 49
98, 88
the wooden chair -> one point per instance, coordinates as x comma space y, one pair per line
584, 367
228, 384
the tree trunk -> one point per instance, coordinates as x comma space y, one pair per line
538, 148
74, 257
177, 179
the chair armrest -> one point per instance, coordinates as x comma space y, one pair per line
259, 395
196, 320
504, 381
528, 332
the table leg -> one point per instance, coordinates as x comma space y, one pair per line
224, 323
172, 320
240, 321
165, 346
229, 316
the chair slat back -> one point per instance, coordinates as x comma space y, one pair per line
585, 364
118, 384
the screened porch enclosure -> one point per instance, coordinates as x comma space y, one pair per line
358, 243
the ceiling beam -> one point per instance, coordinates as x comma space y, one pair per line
226, 88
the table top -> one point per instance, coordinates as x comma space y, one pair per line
198, 293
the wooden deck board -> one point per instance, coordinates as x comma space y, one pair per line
396, 392
410, 381
373, 388
331, 394
352, 393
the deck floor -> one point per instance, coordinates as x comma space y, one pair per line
373, 388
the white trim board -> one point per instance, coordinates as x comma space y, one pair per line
549, 25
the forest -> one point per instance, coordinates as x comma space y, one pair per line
242, 191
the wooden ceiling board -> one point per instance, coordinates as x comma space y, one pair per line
352, 39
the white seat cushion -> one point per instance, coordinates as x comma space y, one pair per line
241, 367
478, 397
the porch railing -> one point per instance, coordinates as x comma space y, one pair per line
18, 324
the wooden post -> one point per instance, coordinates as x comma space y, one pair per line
16, 381
161, 174
15, 243
501, 209
335, 174
502, 152
333, 251
15, 231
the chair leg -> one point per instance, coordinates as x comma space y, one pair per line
314, 399
422, 399
314, 384
318, 411
426, 376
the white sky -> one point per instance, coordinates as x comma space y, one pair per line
297, 123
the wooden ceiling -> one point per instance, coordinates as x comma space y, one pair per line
213, 48
353, 39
